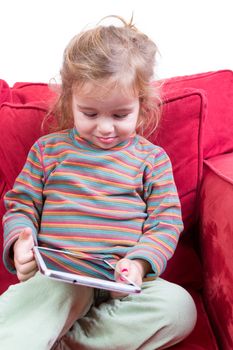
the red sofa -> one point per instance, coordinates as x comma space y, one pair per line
197, 133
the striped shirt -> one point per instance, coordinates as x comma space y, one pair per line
113, 203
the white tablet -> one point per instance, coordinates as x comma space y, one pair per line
45, 256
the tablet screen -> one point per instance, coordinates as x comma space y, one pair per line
92, 271
81, 264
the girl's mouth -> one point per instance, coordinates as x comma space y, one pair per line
107, 140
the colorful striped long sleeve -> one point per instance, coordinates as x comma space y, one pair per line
115, 203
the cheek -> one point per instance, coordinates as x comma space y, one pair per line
127, 129
81, 124
130, 126
77, 124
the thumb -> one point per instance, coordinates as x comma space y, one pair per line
26, 236
24, 243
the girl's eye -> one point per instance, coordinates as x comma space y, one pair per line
90, 115
120, 116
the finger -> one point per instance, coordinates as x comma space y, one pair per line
128, 272
26, 268
23, 257
23, 277
122, 270
123, 266
123, 275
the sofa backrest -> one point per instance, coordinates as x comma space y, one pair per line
180, 134
218, 88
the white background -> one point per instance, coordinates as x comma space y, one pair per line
193, 36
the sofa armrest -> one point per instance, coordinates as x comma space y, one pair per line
216, 244
6, 278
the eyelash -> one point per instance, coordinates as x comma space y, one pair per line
91, 115
118, 116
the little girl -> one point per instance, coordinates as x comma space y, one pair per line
96, 186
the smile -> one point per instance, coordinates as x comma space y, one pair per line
106, 140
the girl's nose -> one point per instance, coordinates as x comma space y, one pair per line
105, 126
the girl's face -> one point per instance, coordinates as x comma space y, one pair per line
106, 119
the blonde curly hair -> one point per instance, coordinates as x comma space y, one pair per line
110, 56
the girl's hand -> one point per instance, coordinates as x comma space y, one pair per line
24, 260
135, 270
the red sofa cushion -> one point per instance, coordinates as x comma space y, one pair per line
22, 110
24, 93
218, 87
5, 92
20, 126
180, 134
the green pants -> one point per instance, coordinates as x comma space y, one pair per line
42, 314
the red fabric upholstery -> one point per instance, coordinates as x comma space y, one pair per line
183, 143
24, 93
5, 277
22, 110
218, 87
193, 107
23, 128
4, 92
217, 244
